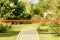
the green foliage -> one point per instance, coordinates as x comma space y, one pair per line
55, 28
5, 27
12, 11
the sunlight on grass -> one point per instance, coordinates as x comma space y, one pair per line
42, 37
48, 37
8, 38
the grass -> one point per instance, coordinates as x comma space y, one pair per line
13, 35
8, 36
41, 36
48, 37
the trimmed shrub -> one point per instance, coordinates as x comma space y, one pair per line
5, 27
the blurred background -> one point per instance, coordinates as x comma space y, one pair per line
29, 10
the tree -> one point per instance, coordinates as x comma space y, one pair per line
10, 10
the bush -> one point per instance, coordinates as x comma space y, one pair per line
5, 27
55, 28
42, 27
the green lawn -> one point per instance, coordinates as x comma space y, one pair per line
8, 36
48, 37
41, 36
13, 35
